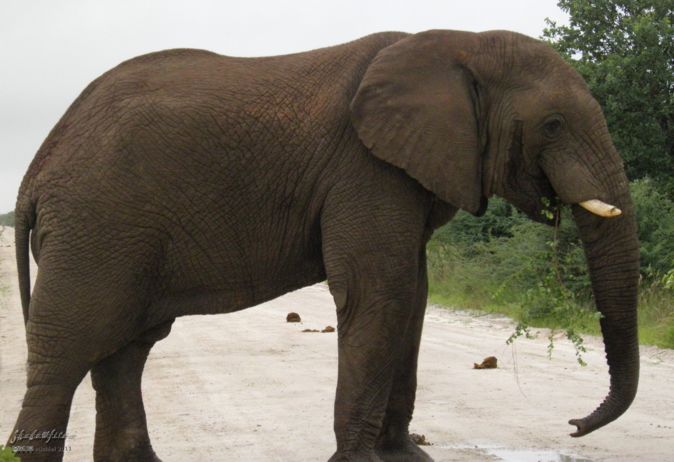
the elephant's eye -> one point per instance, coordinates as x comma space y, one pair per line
552, 128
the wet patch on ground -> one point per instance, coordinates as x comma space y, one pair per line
517, 455
534, 455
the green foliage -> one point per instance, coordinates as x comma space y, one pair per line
625, 51
668, 279
655, 219
7, 219
7, 455
511, 249
538, 275
535, 273
656, 315
498, 221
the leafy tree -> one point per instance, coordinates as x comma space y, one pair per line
625, 51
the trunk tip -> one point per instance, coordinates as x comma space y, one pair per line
582, 428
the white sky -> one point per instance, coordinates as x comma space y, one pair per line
49, 50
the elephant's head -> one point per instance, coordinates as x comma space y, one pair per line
469, 115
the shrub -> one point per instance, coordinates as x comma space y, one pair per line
537, 274
7, 219
655, 220
7, 455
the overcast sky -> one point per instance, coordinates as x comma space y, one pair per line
49, 50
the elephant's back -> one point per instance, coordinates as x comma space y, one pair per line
193, 151
194, 101
205, 131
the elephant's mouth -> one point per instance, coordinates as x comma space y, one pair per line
537, 199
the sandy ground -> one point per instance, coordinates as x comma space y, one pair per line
250, 387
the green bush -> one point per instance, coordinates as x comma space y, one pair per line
7, 219
508, 253
7, 455
503, 262
498, 221
655, 219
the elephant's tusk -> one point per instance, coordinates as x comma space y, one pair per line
600, 208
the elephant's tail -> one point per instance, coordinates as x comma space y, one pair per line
24, 217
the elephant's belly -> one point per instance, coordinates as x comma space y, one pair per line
226, 296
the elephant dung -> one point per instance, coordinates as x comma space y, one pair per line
490, 362
419, 439
293, 317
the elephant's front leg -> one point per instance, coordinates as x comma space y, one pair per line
374, 306
369, 350
394, 443
373, 232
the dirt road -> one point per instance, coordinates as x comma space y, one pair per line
250, 387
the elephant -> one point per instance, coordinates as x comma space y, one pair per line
186, 182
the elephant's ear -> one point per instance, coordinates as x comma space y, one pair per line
415, 109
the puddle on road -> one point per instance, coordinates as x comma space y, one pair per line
520, 455
533, 455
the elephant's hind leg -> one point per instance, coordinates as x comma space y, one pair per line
60, 353
41, 428
121, 427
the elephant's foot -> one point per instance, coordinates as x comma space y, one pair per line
404, 450
44, 411
142, 453
355, 456
128, 442
395, 445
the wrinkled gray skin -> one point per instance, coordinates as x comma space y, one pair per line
184, 182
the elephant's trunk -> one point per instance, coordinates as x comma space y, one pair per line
612, 252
